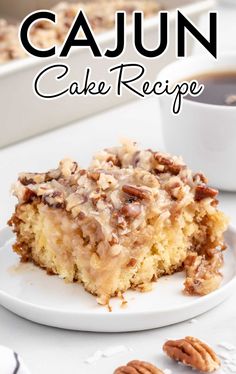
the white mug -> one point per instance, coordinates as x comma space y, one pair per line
204, 134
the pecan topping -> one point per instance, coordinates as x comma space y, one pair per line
29, 195
192, 352
132, 262
131, 210
136, 158
200, 177
32, 178
114, 159
81, 216
119, 220
114, 239
54, 200
52, 174
137, 192
26, 180
203, 192
36, 178
82, 172
162, 160
94, 176
138, 367
167, 164
202, 275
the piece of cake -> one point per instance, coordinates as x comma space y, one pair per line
130, 218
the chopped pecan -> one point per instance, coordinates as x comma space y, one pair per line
31, 178
114, 159
202, 275
162, 159
82, 172
96, 198
138, 367
114, 239
200, 177
137, 192
52, 174
167, 164
29, 195
81, 216
132, 262
203, 192
192, 352
131, 210
36, 178
136, 158
26, 180
54, 199
94, 176
215, 202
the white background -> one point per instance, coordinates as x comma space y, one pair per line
53, 351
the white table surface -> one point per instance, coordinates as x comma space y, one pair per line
53, 351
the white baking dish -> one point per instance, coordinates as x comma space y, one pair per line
23, 114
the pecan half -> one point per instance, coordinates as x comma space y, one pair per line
137, 192
192, 352
138, 367
203, 192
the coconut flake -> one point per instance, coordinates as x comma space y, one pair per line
114, 350
167, 371
227, 346
95, 357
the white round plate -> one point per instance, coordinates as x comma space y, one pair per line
29, 292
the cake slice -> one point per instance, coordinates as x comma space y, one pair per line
131, 217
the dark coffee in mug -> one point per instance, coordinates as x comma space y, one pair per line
220, 88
